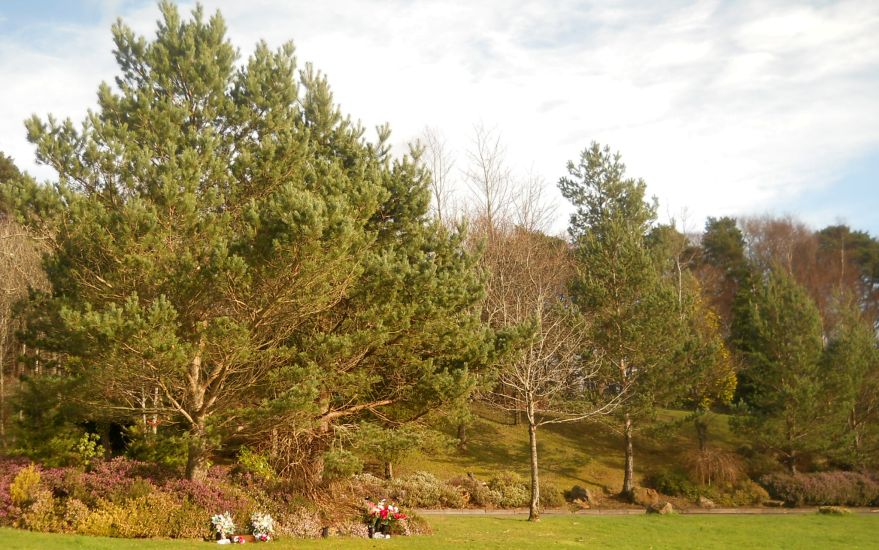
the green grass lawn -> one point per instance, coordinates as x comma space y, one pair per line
685, 532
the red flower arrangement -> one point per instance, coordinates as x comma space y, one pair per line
380, 517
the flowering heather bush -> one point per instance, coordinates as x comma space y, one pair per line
118, 498
301, 523
8, 470
424, 490
127, 498
823, 488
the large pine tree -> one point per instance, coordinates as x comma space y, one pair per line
851, 362
229, 240
633, 312
790, 399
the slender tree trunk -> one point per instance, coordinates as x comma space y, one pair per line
143, 406
389, 470
629, 476
462, 435
155, 427
701, 432
855, 428
791, 450
534, 506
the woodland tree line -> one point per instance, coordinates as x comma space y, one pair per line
227, 261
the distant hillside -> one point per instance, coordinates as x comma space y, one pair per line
586, 454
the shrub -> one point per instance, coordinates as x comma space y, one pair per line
213, 496
834, 510
125, 498
746, 493
23, 489
673, 483
76, 514
138, 488
42, 515
256, 464
367, 485
577, 493
147, 516
424, 490
477, 492
710, 465
823, 488
551, 496
100, 522
87, 449
352, 528
300, 523
417, 525
189, 522
509, 490
115, 480
743, 493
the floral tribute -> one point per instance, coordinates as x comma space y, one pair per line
263, 526
223, 525
380, 517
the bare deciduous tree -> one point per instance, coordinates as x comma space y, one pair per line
532, 211
489, 179
440, 162
544, 376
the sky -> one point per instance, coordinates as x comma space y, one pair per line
724, 108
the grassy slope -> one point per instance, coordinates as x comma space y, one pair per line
590, 455
792, 532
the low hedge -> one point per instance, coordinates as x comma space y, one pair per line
823, 488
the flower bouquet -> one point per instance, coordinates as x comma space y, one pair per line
263, 526
380, 517
223, 526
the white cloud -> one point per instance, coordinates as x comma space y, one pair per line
723, 109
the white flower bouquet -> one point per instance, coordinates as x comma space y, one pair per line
223, 525
263, 526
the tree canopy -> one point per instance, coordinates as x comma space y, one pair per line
632, 309
228, 237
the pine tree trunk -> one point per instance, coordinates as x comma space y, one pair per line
389, 470
196, 456
106, 439
629, 476
856, 435
791, 450
701, 432
462, 435
534, 507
